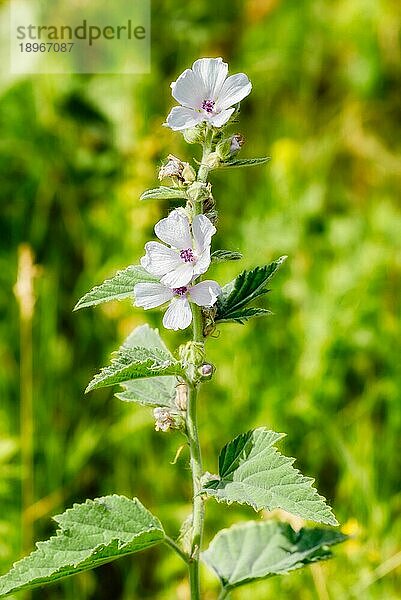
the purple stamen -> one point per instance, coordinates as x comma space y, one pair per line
208, 105
187, 255
180, 291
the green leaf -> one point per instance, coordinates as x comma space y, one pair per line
136, 363
245, 162
163, 193
252, 471
158, 391
223, 255
117, 288
255, 550
244, 314
146, 337
89, 535
245, 288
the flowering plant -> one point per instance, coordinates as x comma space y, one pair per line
250, 469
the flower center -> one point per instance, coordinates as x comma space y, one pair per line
208, 105
187, 255
181, 291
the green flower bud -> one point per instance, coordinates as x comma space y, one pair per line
213, 160
223, 149
198, 191
192, 355
194, 135
228, 147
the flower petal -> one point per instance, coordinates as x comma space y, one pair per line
203, 262
202, 229
181, 117
234, 89
221, 118
205, 293
179, 277
178, 315
159, 259
189, 89
150, 295
174, 230
212, 73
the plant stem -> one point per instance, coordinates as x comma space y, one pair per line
224, 594
207, 146
170, 542
198, 511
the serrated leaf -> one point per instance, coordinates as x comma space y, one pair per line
116, 288
158, 391
135, 363
146, 337
163, 193
245, 162
252, 471
255, 550
223, 255
89, 535
245, 288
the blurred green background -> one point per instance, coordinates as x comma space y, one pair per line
75, 154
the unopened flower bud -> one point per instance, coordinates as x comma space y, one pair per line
194, 135
208, 320
206, 370
213, 160
223, 149
165, 419
198, 191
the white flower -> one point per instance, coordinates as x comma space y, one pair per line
178, 314
206, 94
186, 256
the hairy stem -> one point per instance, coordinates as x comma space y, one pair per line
198, 511
198, 505
207, 146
